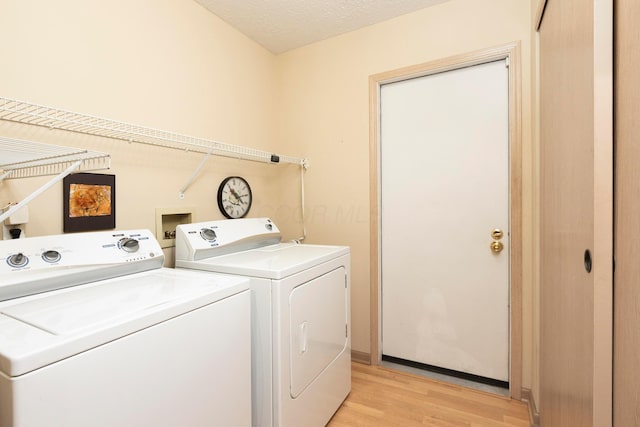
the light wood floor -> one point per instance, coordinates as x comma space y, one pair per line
384, 397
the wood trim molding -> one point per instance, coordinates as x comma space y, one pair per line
603, 211
511, 52
515, 186
534, 415
540, 13
626, 334
374, 223
360, 357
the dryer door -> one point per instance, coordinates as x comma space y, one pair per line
318, 313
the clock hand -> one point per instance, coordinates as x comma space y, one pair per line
235, 195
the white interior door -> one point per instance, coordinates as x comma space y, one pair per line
444, 189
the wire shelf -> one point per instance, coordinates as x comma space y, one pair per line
23, 159
19, 159
54, 118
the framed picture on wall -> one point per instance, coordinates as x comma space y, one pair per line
89, 202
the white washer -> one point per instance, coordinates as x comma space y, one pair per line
301, 339
107, 337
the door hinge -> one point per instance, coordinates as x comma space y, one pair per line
506, 62
346, 331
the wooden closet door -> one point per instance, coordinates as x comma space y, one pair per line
626, 339
576, 212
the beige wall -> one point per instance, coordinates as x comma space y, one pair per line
167, 64
172, 65
324, 109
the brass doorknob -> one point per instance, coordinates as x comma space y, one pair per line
497, 234
496, 246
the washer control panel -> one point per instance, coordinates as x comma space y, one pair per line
76, 250
73, 258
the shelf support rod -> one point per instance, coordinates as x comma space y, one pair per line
39, 191
5, 175
195, 173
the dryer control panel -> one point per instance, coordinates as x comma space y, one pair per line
214, 238
37, 264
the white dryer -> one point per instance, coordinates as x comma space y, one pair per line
94, 332
301, 339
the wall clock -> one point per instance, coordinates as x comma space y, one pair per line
234, 197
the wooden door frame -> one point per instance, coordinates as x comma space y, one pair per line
510, 52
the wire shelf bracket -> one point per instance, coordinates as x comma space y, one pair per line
24, 159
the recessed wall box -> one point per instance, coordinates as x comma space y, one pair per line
167, 219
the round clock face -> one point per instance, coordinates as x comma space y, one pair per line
234, 197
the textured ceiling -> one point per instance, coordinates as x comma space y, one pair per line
282, 25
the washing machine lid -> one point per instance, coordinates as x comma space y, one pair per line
269, 262
42, 329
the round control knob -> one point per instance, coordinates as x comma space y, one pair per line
208, 234
51, 256
128, 244
18, 260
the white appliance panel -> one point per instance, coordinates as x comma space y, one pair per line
203, 240
44, 328
94, 332
88, 307
325, 393
318, 334
150, 378
39, 264
275, 270
262, 322
271, 262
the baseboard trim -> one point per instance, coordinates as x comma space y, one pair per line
534, 415
361, 357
